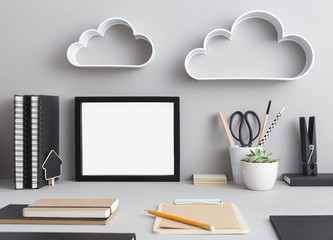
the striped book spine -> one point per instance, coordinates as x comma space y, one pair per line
34, 140
18, 140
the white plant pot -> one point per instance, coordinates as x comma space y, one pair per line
236, 155
259, 176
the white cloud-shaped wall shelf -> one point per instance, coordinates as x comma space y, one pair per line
127, 50
224, 37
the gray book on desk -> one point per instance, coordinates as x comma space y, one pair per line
65, 236
313, 227
298, 179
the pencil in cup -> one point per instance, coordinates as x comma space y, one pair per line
182, 220
227, 129
265, 122
276, 119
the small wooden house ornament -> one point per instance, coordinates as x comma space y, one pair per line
52, 167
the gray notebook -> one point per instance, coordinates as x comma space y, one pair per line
307, 227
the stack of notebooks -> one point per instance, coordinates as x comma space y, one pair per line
36, 133
61, 211
210, 179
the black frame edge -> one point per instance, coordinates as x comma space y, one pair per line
128, 178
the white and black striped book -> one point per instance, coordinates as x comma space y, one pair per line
18, 140
36, 133
44, 134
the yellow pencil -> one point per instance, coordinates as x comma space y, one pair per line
183, 220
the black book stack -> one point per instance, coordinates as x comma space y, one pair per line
36, 133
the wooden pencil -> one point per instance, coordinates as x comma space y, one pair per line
227, 129
182, 220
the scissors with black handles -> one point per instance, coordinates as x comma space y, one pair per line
245, 117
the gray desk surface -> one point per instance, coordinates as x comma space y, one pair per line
134, 197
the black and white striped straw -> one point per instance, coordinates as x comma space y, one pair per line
276, 119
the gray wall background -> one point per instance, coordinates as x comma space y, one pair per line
35, 35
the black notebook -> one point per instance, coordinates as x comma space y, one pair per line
298, 179
27, 171
45, 134
315, 227
65, 236
40, 131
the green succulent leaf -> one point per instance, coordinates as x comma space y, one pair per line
259, 156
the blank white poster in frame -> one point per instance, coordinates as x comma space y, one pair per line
127, 138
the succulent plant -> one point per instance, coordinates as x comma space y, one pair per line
259, 156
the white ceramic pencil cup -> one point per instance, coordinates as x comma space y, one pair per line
236, 155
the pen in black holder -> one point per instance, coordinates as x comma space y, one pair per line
308, 146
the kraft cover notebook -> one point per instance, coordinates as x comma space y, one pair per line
307, 227
65, 236
226, 219
83, 208
12, 214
